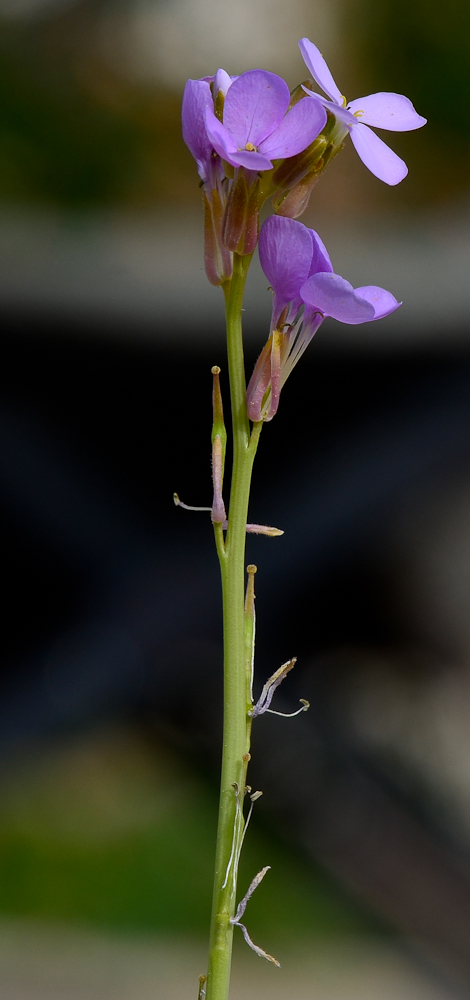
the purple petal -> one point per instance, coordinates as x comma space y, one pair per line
255, 105
333, 296
219, 137
197, 98
377, 156
321, 258
391, 111
383, 302
252, 161
315, 62
222, 82
224, 145
285, 252
298, 129
341, 113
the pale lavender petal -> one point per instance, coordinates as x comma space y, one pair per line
219, 138
331, 295
391, 111
224, 145
383, 302
377, 156
197, 99
339, 112
298, 129
222, 82
321, 258
255, 105
285, 252
252, 161
315, 62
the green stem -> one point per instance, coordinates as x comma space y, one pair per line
237, 722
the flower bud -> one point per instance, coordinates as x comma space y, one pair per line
217, 259
296, 177
240, 227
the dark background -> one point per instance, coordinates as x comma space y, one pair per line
111, 657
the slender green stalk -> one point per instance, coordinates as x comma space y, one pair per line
237, 722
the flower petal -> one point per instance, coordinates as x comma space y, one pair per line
252, 161
222, 82
197, 98
383, 302
223, 143
377, 156
298, 129
219, 138
321, 258
333, 296
285, 253
254, 106
315, 62
341, 113
391, 111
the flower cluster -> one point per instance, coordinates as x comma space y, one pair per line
252, 140
237, 129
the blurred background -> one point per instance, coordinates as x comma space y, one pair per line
111, 666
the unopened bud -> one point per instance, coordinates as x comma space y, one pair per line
291, 171
241, 220
217, 258
291, 204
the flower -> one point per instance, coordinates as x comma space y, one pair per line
197, 98
256, 125
390, 111
298, 267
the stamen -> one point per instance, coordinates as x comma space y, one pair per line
238, 814
290, 715
202, 988
263, 529
179, 503
269, 688
240, 911
250, 147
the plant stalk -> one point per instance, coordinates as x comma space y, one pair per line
237, 722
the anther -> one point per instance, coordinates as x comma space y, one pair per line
202, 988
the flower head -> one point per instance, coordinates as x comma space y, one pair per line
257, 127
297, 264
384, 110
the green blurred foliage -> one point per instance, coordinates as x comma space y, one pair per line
421, 49
73, 133
112, 831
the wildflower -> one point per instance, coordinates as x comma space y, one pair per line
306, 291
383, 110
235, 128
197, 98
257, 127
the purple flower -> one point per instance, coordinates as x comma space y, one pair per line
257, 126
300, 272
197, 98
390, 111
